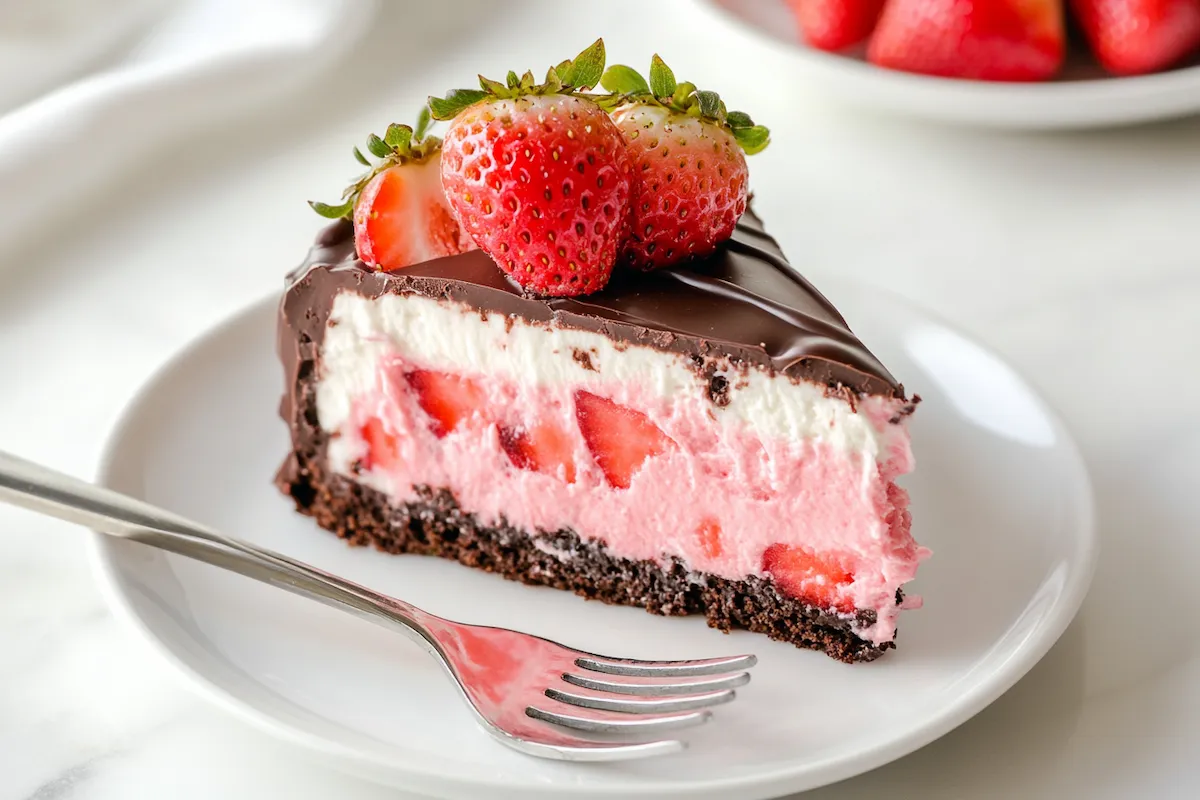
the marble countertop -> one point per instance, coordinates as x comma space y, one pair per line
1076, 256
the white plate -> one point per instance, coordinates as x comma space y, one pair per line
1000, 494
1085, 97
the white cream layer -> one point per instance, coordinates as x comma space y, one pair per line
446, 336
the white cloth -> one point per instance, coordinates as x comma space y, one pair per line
171, 65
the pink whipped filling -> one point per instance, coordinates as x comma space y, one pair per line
720, 498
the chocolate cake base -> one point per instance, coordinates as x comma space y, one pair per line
435, 525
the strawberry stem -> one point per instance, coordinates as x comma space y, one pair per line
626, 85
400, 145
573, 76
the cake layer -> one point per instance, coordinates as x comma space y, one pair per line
451, 336
717, 421
416, 392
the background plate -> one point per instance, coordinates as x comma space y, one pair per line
1084, 97
1000, 495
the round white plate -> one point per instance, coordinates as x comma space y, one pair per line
1000, 494
1084, 97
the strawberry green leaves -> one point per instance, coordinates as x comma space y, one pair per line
623, 84
620, 79
573, 76
400, 144
752, 138
662, 80
455, 101
585, 70
626, 85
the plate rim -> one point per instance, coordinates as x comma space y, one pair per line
1060, 105
102, 556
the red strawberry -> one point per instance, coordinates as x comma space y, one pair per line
689, 169
382, 450
620, 438
542, 448
1131, 37
709, 534
539, 177
400, 212
836, 24
812, 577
449, 400
996, 40
402, 218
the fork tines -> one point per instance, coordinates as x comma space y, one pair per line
642, 697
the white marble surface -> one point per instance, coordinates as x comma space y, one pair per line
1076, 256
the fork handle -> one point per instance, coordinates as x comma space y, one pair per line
40, 489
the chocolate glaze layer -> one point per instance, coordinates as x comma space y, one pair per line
744, 303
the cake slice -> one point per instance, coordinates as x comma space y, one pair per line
704, 436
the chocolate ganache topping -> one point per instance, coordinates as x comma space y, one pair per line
745, 303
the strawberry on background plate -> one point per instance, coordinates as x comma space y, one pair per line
836, 24
1132, 37
689, 166
996, 40
538, 175
400, 212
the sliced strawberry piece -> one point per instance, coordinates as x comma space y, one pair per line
545, 448
812, 577
449, 400
709, 534
620, 439
383, 452
402, 218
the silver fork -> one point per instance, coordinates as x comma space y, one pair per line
534, 695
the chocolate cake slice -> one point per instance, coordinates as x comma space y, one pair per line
708, 438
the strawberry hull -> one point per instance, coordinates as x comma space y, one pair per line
769, 460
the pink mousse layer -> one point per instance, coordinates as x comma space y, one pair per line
760, 493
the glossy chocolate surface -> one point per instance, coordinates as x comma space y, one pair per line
744, 303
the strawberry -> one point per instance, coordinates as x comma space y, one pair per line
449, 400
995, 40
545, 448
836, 24
620, 438
1131, 37
709, 534
382, 450
538, 176
400, 212
402, 218
815, 578
689, 168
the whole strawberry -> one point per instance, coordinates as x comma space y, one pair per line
990, 40
689, 165
836, 24
400, 212
538, 176
1133, 37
